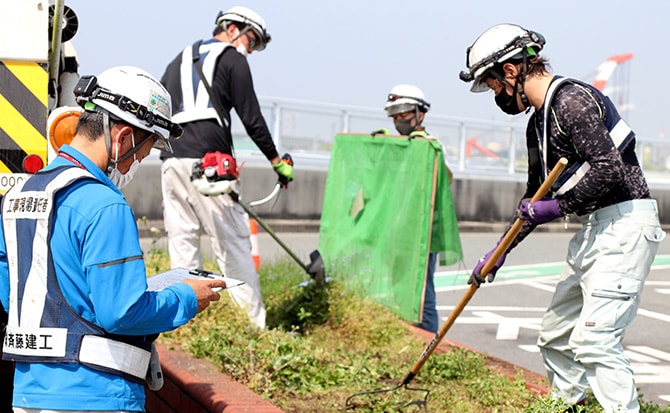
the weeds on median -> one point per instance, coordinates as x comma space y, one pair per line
324, 343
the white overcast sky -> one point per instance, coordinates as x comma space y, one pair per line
352, 52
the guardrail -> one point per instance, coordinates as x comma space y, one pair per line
488, 159
472, 145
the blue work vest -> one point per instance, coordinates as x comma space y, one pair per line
42, 326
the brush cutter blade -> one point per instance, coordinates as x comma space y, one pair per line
315, 268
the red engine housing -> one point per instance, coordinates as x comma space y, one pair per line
218, 166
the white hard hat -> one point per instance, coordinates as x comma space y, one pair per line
404, 98
253, 20
134, 96
496, 45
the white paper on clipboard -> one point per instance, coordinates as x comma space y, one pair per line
176, 275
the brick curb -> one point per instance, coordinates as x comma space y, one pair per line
196, 386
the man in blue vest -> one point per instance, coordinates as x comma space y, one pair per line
608, 260
72, 277
207, 80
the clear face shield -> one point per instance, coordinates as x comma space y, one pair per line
400, 108
257, 41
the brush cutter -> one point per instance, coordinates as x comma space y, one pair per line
428, 350
215, 174
315, 269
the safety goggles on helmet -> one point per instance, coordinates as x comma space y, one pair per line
87, 90
401, 108
499, 44
251, 20
392, 97
396, 104
255, 42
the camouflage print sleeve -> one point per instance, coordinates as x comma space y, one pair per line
578, 132
534, 179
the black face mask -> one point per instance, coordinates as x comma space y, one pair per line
404, 127
508, 103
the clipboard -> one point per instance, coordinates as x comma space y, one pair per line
176, 275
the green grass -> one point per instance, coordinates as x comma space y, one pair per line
324, 344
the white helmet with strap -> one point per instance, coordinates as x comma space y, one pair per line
251, 19
131, 95
496, 45
405, 98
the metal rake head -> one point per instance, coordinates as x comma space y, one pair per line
420, 404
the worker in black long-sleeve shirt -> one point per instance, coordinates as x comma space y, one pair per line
223, 61
598, 294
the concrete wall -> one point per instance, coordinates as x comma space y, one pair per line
302, 200
478, 198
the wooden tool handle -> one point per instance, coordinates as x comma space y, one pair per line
499, 251
518, 224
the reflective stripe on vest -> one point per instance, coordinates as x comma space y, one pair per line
42, 327
196, 102
619, 131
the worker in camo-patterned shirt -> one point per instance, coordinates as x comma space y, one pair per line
598, 294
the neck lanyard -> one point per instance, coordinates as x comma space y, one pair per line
71, 159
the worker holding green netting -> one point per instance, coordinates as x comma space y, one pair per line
407, 106
388, 212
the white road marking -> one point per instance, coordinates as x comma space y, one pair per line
507, 331
540, 286
650, 351
653, 314
664, 291
636, 357
651, 373
508, 327
529, 348
494, 308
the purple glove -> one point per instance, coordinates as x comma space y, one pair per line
539, 212
476, 277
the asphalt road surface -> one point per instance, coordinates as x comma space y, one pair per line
503, 318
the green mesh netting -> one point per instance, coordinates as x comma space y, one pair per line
377, 222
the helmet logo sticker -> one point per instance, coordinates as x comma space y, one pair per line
158, 103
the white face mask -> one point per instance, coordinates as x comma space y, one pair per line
119, 179
241, 48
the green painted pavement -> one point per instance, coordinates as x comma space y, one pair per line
517, 272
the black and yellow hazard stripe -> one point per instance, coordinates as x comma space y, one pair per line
23, 113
